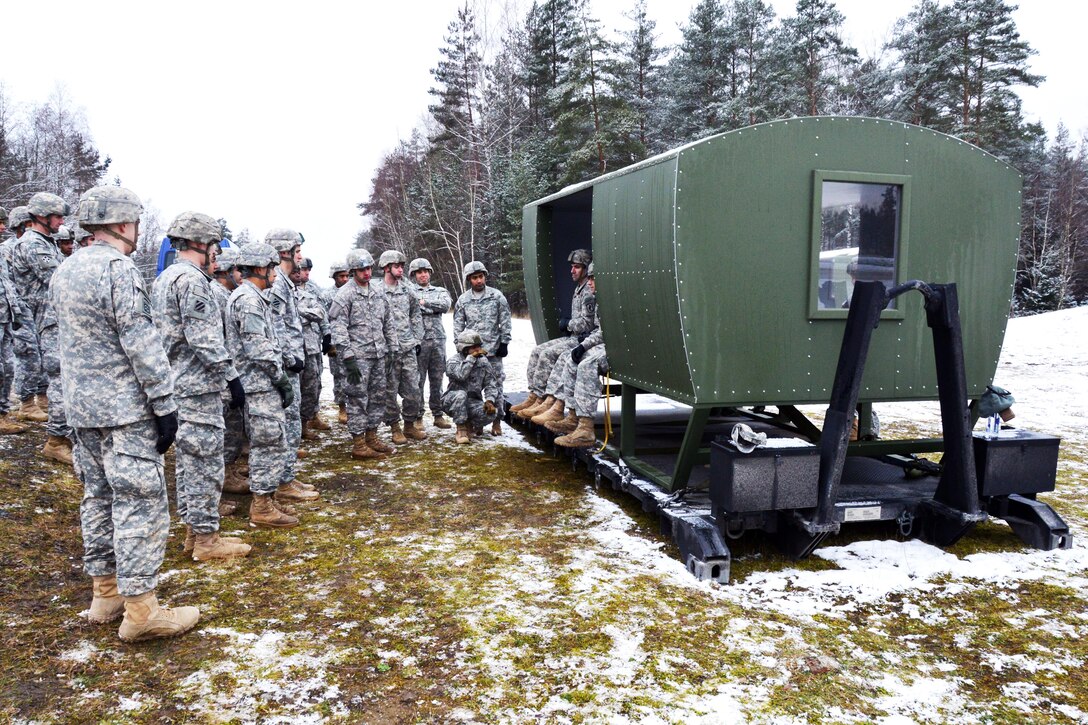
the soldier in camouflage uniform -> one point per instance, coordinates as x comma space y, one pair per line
82, 236
64, 240
227, 279
539, 406
582, 391
363, 333
404, 356
485, 310
192, 330
317, 340
433, 303
33, 262
561, 383
340, 275
29, 382
473, 389
251, 341
11, 319
283, 298
119, 390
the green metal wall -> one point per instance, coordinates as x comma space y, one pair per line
704, 261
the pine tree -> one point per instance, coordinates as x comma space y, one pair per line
813, 59
458, 77
698, 76
637, 77
923, 42
751, 34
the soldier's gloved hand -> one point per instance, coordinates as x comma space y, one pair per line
287, 393
502, 350
479, 352
16, 325
489, 407
419, 349
237, 393
297, 366
577, 353
167, 426
355, 375
582, 336
564, 325
326, 342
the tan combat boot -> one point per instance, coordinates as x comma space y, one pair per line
342, 416
214, 546
106, 604
10, 427
527, 403
307, 432
190, 540
318, 423
441, 422
30, 411
361, 451
414, 430
234, 481
396, 434
57, 448
562, 427
291, 491
540, 407
462, 435
42, 401
300, 454
263, 514
376, 443
227, 508
145, 619
582, 437
553, 413
496, 427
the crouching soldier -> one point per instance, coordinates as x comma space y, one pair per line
484, 309
120, 396
251, 341
192, 332
473, 388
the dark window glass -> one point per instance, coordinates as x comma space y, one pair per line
859, 238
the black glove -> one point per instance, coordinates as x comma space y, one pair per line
355, 375
237, 393
577, 353
16, 325
419, 349
564, 323
582, 336
296, 366
287, 393
326, 343
167, 426
502, 350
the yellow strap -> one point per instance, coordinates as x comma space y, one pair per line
607, 411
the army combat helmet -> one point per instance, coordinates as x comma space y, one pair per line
391, 256
580, 256
64, 234
417, 264
18, 217
82, 236
228, 257
101, 206
338, 267
44, 204
190, 229
466, 340
359, 259
472, 268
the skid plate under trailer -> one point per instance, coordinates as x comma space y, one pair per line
806, 482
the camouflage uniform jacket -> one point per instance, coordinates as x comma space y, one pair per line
474, 375
33, 261
192, 329
407, 319
251, 338
7, 250
11, 306
436, 302
283, 298
361, 322
596, 336
315, 318
114, 370
489, 315
325, 294
582, 308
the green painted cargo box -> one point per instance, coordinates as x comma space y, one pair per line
724, 267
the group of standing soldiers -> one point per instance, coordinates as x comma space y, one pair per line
224, 354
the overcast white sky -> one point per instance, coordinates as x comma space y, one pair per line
276, 114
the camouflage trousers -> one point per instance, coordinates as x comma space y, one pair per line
403, 378
267, 441
432, 367
336, 367
234, 432
465, 410
292, 432
57, 425
500, 378
310, 384
199, 467
7, 366
29, 379
124, 514
366, 401
587, 383
542, 359
561, 381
